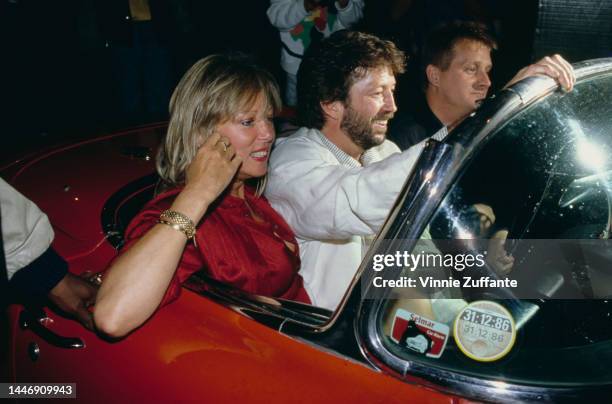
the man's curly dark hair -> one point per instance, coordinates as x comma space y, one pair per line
331, 67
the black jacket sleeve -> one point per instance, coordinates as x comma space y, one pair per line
40, 276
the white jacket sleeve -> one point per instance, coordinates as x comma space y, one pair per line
26, 230
286, 14
351, 14
322, 200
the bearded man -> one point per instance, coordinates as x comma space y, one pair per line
335, 180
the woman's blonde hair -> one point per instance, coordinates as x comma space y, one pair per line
212, 91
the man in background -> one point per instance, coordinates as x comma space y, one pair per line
457, 64
304, 22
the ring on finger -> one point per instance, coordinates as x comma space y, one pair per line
96, 279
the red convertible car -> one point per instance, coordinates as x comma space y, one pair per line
539, 157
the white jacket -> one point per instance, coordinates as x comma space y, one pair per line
295, 25
26, 230
332, 204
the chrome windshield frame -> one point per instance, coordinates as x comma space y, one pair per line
437, 169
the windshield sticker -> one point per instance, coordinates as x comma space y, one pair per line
419, 334
484, 331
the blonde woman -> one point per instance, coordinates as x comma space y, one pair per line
209, 217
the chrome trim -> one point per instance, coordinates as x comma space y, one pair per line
34, 319
534, 88
415, 206
266, 309
437, 159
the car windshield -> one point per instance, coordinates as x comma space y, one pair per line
541, 182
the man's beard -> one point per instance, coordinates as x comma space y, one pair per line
360, 129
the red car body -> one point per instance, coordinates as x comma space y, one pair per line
194, 349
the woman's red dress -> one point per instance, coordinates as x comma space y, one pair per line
233, 247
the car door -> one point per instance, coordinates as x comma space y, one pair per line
154, 363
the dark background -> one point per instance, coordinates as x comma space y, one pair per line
59, 85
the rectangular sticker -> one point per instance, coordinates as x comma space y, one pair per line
419, 334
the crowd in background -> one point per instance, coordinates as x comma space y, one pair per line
71, 68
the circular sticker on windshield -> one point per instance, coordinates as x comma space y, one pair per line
484, 331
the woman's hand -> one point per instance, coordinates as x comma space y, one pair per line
124, 301
209, 174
